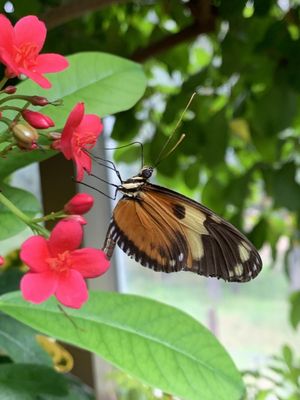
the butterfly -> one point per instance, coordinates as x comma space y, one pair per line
166, 231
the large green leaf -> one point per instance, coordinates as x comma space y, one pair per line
29, 382
162, 346
19, 342
10, 225
106, 84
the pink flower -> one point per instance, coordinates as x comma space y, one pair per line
19, 50
79, 134
57, 266
81, 203
37, 120
2, 261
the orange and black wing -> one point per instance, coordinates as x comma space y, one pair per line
168, 232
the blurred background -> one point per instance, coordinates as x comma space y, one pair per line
240, 157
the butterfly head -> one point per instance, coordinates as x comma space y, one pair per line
146, 172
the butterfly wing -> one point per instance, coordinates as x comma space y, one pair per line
168, 232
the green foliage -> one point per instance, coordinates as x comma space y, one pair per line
295, 309
18, 341
150, 340
106, 83
25, 201
281, 380
19, 381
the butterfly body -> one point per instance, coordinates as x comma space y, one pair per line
166, 231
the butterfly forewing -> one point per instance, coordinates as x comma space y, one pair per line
168, 232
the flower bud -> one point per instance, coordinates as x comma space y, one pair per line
81, 203
26, 136
54, 135
38, 101
37, 120
9, 89
78, 218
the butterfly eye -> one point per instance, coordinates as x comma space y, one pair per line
147, 172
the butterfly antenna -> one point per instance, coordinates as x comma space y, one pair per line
159, 158
127, 145
172, 149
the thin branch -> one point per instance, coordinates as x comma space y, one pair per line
167, 42
64, 13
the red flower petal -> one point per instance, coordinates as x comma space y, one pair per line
36, 77
51, 62
6, 34
89, 262
66, 235
91, 123
83, 163
72, 290
72, 123
38, 287
34, 253
30, 30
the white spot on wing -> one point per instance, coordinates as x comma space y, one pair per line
238, 269
244, 252
180, 257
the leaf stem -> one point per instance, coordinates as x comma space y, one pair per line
23, 217
3, 82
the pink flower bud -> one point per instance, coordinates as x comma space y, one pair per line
38, 101
37, 120
9, 89
1, 261
81, 203
78, 218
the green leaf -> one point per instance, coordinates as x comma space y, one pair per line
286, 191
10, 280
212, 195
106, 84
258, 235
10, 225
287, 355
19, 342
26, 382
295, 309
191, 176
77, 390
160, 345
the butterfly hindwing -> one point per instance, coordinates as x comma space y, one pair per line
167, 231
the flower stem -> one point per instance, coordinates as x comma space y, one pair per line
3, 82
23, 217
51, 217
15, 210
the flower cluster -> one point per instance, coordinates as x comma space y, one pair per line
57, 266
